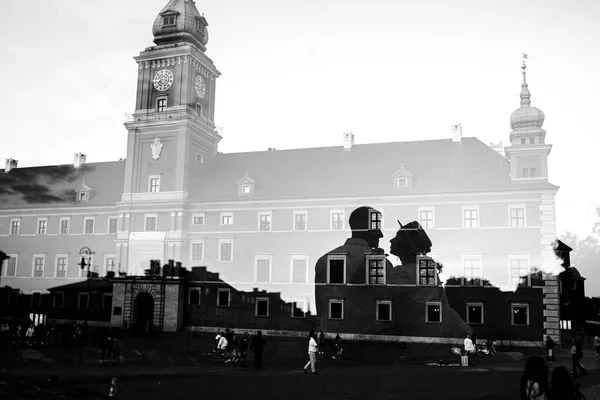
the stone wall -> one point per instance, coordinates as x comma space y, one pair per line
118, 300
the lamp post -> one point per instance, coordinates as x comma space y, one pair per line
86, 253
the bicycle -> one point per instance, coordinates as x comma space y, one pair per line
484, 349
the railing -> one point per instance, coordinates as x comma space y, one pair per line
166, 116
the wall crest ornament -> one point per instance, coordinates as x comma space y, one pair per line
156, 148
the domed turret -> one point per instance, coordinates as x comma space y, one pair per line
527, 121
179, 21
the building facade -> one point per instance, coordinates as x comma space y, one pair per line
261, 220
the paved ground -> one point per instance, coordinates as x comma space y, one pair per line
189, 376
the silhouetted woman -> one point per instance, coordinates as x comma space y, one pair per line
534, 382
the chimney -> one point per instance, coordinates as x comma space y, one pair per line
79, 160
456, 133
497, 147
10, 164
348, 140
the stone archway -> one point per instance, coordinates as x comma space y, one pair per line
143, 312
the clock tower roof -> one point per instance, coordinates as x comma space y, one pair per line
180, 21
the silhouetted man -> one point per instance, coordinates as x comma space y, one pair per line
258, 345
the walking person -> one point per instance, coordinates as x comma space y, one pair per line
534, 382
222, 347
576, 356
321, 343
312, 353
244, 343
549, 349
339, 347
597, 346
257, 347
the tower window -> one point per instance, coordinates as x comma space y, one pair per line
154, 185
531, 140
523, 141
199, 109
169, 20
161, 105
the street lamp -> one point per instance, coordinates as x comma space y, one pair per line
86, 253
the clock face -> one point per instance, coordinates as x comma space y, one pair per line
163, 80
200, 86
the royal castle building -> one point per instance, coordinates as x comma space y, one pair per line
258, 221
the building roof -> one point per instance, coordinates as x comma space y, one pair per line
56, 185
85, 286
437, 166
366, 169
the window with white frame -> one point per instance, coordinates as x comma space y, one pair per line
375, 219
15, 225
519, 270
383, 310
198, 219
61, 261
161, 104
64, 226
261, 307
194, 296
471, 217
427, 217
223, 297
197, 251
154, 183
226, 218
337, 220
519, 314
36, 298
88, 225
9, 268
433, 311
336, 308
475, 313
300, 218
426, 271
199, 157
39, 260
336, 268
58, 299
264, 222
262, 269
150, 222
375, 269
401, 182
298, 309
42, 226
113, 224
225, 250
472, 270
299, 269
245, 189
110, 263
83, 300
517, 216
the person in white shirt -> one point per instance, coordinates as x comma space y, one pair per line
312, 352
469, 347
222, 346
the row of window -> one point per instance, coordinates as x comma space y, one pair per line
61, 266
426, 217
59, 299
64, 226
383, 308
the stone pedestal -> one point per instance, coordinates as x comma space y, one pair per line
551, 307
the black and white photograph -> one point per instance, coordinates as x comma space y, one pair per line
300, 199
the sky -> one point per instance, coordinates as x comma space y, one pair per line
298, 74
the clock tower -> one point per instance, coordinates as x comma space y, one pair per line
171, 136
